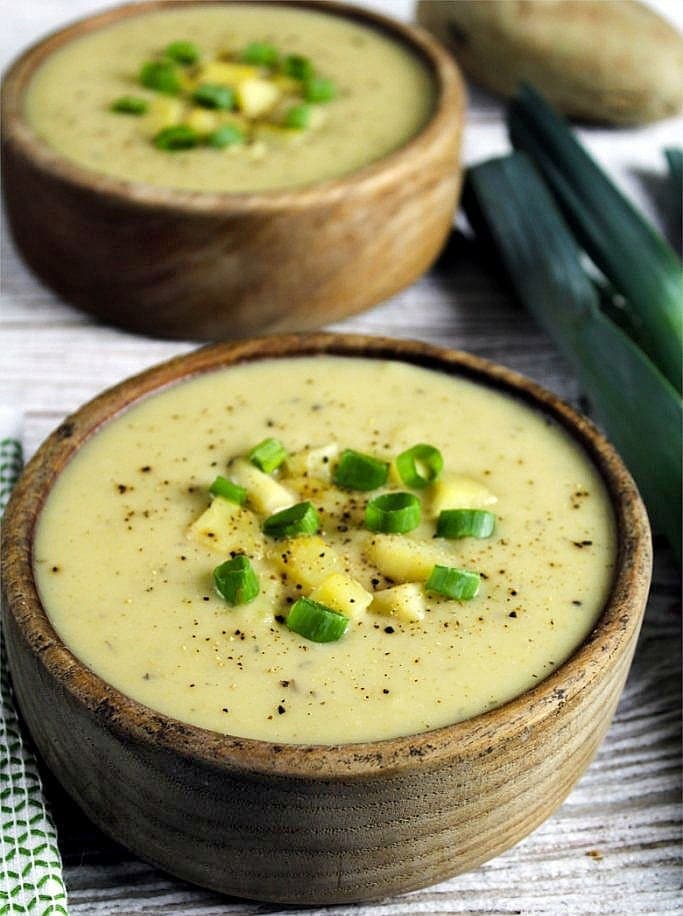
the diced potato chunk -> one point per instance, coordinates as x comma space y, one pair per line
227, 74
256, 97
394, 477
342, 593
341, 508
265, 494
454, 491
307, 561
402, 559
202, 120
316, 462
404, 602
226, 527
163, 111
188, 82
311, 488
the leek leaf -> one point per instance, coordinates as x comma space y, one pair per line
674, 160
507, 204
627, 249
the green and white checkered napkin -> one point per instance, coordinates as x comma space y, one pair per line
30, 865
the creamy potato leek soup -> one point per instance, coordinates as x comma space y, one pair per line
230, 97
267, 551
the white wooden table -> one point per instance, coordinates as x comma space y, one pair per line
614, 846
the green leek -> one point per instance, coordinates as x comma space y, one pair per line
674, 160
316, 621
624, 246
507, 203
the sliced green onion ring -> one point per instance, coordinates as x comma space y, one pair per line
465, 523
236, 581
228, 490
227, 135
298, 117
420, 465
453, 583
177, 137
319, 89
268, 455
161, 75
356, 471
260, 53
299, 67
184, 52
316, 622
300, 519
129, 104
212, 95
393, 513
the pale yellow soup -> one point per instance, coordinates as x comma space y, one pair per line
386, 95
131, 593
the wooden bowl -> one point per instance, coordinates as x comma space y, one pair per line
317, 824
188, 264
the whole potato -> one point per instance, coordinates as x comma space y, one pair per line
602, 60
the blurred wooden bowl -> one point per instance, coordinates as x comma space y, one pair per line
317, 824
188, 264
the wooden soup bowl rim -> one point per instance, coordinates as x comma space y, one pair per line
386, 171
133, 722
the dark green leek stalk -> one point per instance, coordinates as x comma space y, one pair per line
507, 203
674, 160
627, 249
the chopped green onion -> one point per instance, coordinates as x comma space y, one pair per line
316, 622
453, 582
178, 137
631, 253
465, 523
210, 95
227, 135
268, 455
356, 471
228, 490
297, 520
298, 117
420, 465
260, 53
393, 513
508, 205
299, 67
236, 581
129, 104
161, 75
319, 89
184, 52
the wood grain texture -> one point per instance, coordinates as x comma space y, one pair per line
175, 263
306, 824
615, 844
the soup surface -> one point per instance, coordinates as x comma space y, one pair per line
385, 95
128, 585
